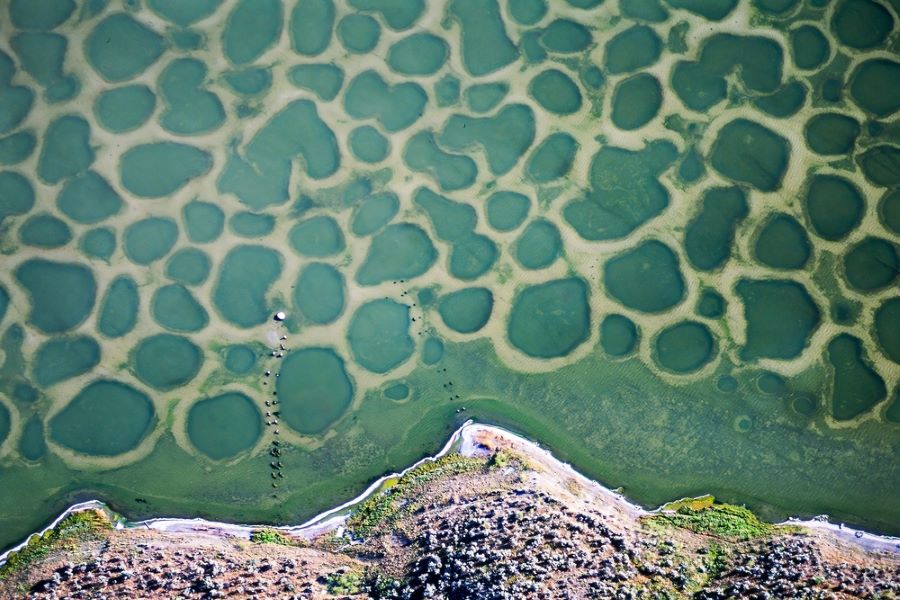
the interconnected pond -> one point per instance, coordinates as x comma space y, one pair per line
661, 237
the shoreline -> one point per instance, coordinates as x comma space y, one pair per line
463, 441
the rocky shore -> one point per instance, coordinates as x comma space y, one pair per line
498, 519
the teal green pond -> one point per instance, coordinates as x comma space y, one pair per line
466, 310
399, 251
834, 205
710, 234
32, 445
432, 351
507, 210
485, 96
550, 319
618, 335
51, 312
378, 335
190, 266
119, 309
358, 33
62, 358
239, 359
636, 101
244, 278
225, 425
45, 231
88, 198
373, 213
150, 239
659, 237
782, 243
314, 389
165, 361
176, 309
711, 304
553, 158
397, 391
99, 243
368, 145
251, 225
684, 347
203, 221
322, 79
539, 245
647, 278
105, 418
317, 237
319, 293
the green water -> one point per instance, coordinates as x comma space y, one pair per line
203, 221
556, 92
314, 389
45, 231
99, 243
553, 158
319, 293
710, 234
484, 97
711, 304
835, 206
358, 33
323, 80
450, 171
368, 145
507, 210
782, 243
240, 359
539, 245
684, 347
225, 425
88, 198
118, 311
105, 418
418, 54
378, 335
251, 225
550, 319
243, 281
646, 278
62, 358
51, 312
397, 391
189, 266
176, 309
659, 236
636, 100
466, 310
618, 335
165, 361
373, 213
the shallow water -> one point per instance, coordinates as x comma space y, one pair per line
659, 236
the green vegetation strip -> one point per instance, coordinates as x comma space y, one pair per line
703, 515
388, 505
273, 536
76, 528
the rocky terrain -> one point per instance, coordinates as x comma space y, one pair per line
504, 523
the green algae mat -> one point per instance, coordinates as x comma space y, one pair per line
658, 236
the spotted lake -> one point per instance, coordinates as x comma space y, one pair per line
658, 236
